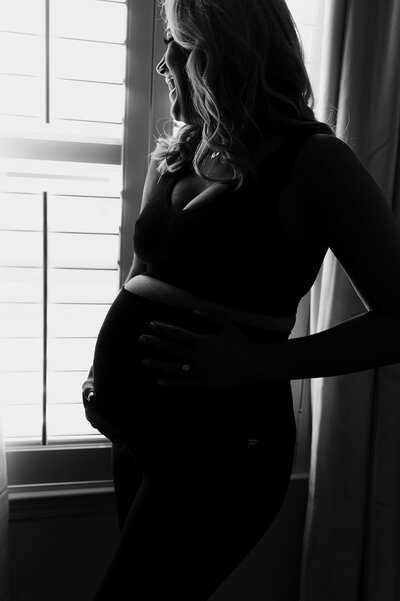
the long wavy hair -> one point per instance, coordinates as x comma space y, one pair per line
246, 72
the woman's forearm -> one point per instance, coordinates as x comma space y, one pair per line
364, 342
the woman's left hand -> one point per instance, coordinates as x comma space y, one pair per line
222, 359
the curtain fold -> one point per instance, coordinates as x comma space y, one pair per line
351, 549
3, 522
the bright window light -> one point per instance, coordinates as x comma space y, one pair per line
61, 115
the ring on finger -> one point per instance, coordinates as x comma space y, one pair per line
185, 368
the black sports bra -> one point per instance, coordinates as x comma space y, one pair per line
231, 250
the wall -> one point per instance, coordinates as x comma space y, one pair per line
60, 546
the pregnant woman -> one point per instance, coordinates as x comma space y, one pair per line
192, 366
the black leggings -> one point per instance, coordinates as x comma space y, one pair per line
201, 475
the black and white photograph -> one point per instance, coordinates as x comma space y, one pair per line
200, 300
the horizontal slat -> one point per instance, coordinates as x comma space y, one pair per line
21, 285
84, 214
82, 286
21, 249
86, 101
75, 321
90, 61
22, 421
25, 16
66, 354
22, 95
21, 354
21, 54
21, 320
21, 212
67, 420
62, 130
60, 176
89, 20
22, 388
83, 251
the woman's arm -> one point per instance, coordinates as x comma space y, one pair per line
356, 222
152, 179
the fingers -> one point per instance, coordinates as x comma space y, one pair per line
212, 319
175, 333
182, 370
88, 394
165, 346
190, 338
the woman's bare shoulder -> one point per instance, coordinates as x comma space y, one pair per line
153, 174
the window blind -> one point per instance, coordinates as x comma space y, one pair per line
62, 69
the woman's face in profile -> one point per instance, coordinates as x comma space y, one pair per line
172, 67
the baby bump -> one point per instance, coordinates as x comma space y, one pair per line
118, 353
129, 394
126, 391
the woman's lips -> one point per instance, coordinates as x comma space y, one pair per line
170, 83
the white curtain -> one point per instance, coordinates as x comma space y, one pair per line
3, 522
352, 535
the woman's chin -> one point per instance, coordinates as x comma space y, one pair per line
176, 111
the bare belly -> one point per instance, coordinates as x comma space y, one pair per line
159, 291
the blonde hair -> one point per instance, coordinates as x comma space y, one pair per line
246, 70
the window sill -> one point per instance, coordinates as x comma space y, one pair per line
74, 480
52, 503
43, 469
57, 491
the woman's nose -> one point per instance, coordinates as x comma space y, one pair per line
162, 66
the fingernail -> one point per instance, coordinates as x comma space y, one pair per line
143, 339
154, 324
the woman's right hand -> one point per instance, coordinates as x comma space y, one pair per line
109, 430
88, 388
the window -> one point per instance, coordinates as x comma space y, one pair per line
62, 70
